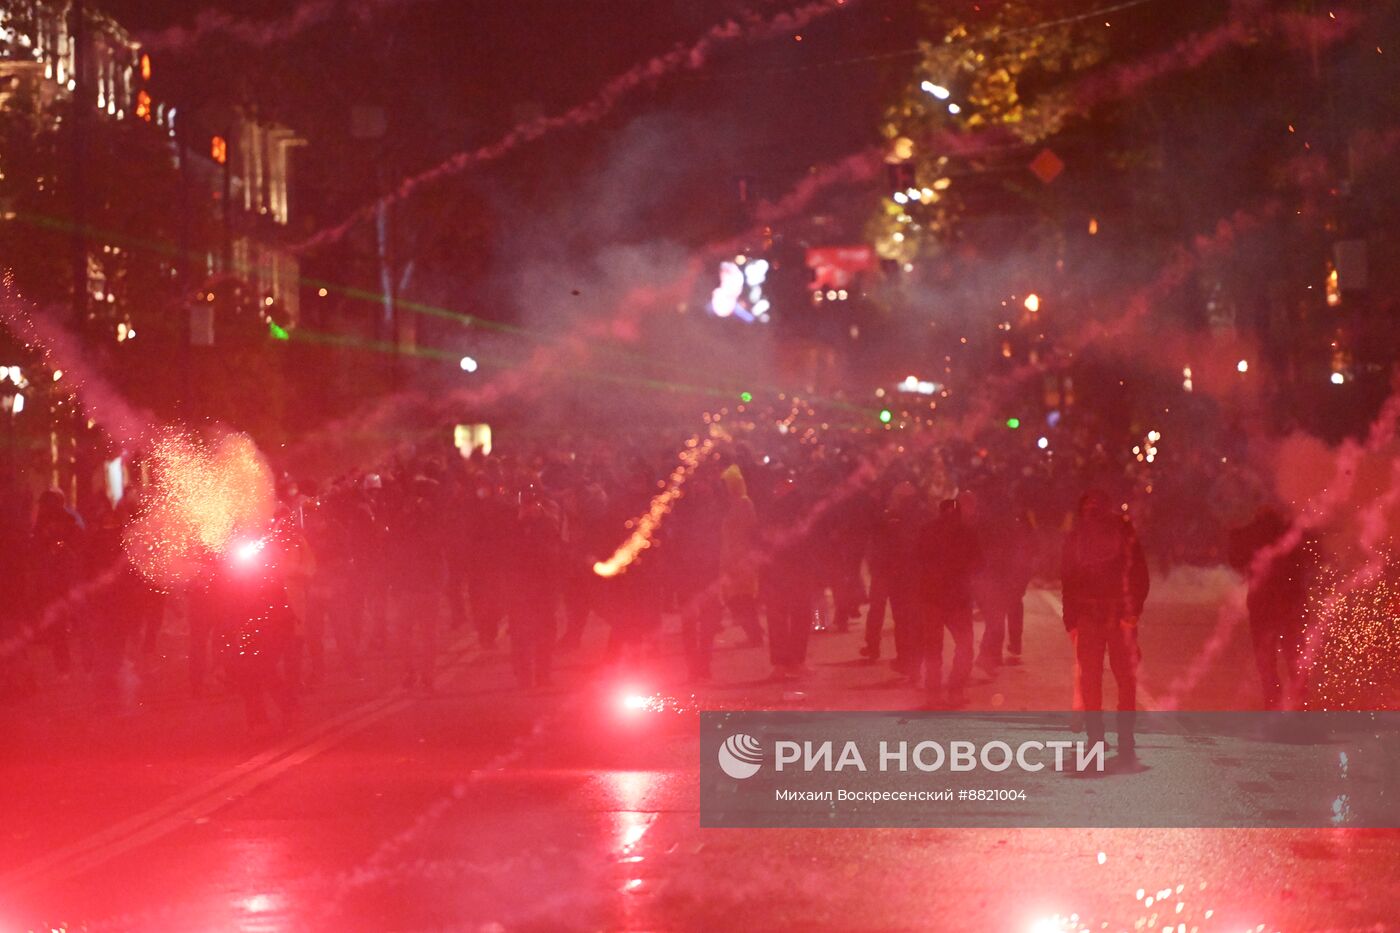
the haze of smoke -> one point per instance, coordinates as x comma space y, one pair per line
38, 331
261, 34
693, 57
1246, 23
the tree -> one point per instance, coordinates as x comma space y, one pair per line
991, 87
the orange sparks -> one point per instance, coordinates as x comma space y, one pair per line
644, 528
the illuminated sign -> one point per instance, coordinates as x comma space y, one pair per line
469, 438
836, 267
740, 292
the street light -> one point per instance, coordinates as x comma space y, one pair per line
468, 364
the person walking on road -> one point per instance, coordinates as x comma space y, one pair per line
418, 578
534, 595
1277, 601
791, 583
1000, 586
738, 532
1104, 583
951, 557
894, 579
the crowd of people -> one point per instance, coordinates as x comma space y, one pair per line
781, 541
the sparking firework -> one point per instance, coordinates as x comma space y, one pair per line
202, 499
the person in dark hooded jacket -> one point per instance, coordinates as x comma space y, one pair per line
790, 584
1104, 582
894, 579
418, 576
535, 545
693, 554
1276, 570
951, 556
57, 558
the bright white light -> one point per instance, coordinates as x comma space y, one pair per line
633, 701
954, 109
937, 90
1032, 302
1338, 379
725, 299
57, 375
1043, 443
249, 549
1242, 366
756, 272
901, 198
915, 384
18, 403
761, 306
468, 364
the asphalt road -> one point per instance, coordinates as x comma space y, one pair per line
487, 808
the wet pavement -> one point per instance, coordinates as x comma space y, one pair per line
486, 808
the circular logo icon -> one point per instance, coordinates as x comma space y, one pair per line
740, 756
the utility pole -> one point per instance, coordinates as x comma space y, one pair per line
185, 265
227, 166
78, 119
83, 322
